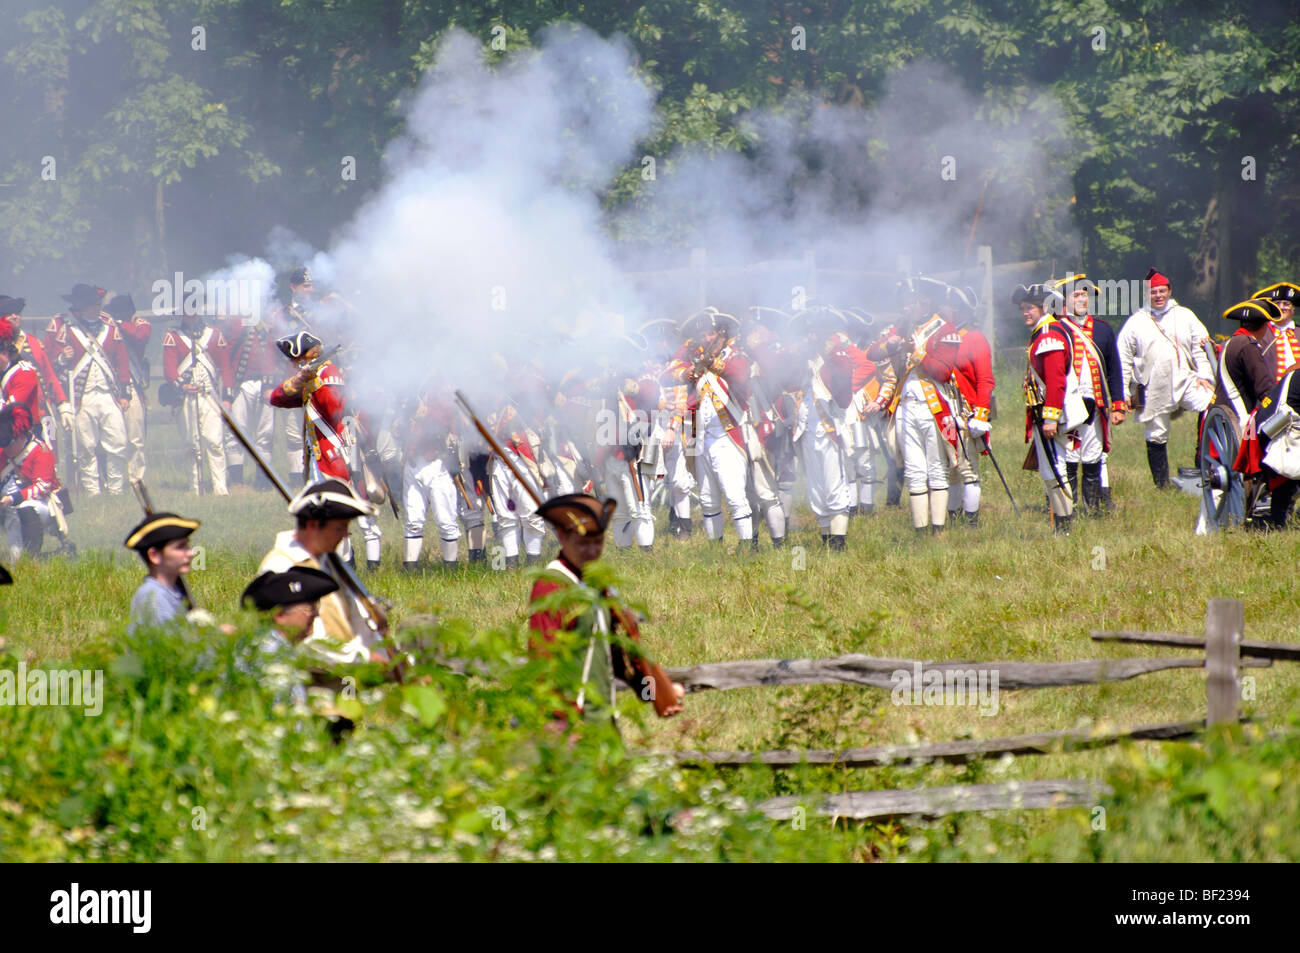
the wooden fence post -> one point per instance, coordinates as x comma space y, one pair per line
1225, 620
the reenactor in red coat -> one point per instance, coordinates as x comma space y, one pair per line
1049, 378
921, 400
196, 362
718, 372
54, 400
20, 385
1284, 349
972, 376
135, 331
1095, 358
90, 354
29, 486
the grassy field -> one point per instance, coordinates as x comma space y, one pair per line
1008, 590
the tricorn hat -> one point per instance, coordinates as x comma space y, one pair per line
296, 345
83, 296
10, 305
330, 500
5, 578
964, 299
921, 286
1048, 298
580, 513
708, 320
300, 276
298, 584
158, 530
1255, 311
121, 306
1282, 291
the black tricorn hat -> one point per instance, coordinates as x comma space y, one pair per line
296, 345
121, 306
5, 578
159, 529
330, 500
10, 305
1255, 311
274, 590
1282, 291
1047, 298
580, 513
300, 276
921, 286
83, 296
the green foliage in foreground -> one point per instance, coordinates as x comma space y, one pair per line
199, 755
194, 758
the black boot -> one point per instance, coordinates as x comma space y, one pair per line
826, 539
512, 562
1279, 504
973, 520
1107, 504
1072, 479
838, 543
1092, 489
778, 542
1061, 525
33, 531
952, 515
477, 556
867, 508
672, 523
647, 549
372, 564
531, 560
410, 566
1158, 461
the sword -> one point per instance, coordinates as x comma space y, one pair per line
994, 460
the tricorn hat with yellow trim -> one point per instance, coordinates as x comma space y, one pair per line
579, 513
158, 530
1255, 311
1282, 291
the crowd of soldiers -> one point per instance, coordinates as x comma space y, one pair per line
713, 415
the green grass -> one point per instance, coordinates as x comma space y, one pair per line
1008, 590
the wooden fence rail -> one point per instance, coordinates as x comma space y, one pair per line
930, 803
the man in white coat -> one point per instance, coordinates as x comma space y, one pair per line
1163, 355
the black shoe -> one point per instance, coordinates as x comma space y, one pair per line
837, 544
867, 508
512, 562
530, 560
410, 566
647, 549
973, 520
778, 542
1061, 525
450, 565
1158, 461
477, 556
372, 564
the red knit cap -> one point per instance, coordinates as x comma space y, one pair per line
1155, 279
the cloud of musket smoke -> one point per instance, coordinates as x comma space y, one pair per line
488, 237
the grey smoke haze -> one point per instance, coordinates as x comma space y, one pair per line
488, 237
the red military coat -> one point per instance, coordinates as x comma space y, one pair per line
21, 386
64, 332
35, 461
323, 409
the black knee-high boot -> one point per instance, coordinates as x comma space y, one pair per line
1072, 479
1092, 488
1158, 461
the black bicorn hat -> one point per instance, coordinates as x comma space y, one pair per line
158, 530
1253, 310
296, 345
298, 584
83, 295
581, 513
330, 500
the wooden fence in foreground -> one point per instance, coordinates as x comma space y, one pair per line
1225, 654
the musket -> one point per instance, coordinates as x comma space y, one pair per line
1036, 414
496, 448
146, 504
373, 609
72, 444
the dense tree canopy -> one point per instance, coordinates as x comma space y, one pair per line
142, 134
